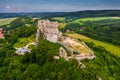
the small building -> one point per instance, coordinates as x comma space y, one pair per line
67, 31
22, 50
1, 33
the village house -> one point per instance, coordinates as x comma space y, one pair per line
22, 50
1, 33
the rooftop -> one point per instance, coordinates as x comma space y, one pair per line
22, 50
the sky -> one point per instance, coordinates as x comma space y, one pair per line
57, 5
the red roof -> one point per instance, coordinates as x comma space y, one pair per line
1, 29
1, 35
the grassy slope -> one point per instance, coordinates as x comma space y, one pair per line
24, 41
61, 25
112, 48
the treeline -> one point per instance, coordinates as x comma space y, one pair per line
20, 22
20, 28
88, 13
104, 30
106, 65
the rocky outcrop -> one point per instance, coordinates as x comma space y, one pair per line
62, 52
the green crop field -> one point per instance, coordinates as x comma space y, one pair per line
59, 18
110, 47
95, 19
5, 21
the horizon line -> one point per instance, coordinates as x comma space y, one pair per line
64, 11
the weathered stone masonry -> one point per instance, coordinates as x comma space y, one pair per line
49, 30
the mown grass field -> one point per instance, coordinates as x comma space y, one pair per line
6, 21
95, 19
110, 47
24, 41
61, 25
59, 18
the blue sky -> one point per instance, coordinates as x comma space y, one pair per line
56, 5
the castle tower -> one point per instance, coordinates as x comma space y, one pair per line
49, 30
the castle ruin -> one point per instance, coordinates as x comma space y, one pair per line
49, 30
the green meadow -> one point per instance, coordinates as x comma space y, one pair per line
61, 25
24, 41
6, 21
95, 19
59, 18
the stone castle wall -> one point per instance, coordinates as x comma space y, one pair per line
49, 30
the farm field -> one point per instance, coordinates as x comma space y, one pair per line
6, 21
96, 19
59, 18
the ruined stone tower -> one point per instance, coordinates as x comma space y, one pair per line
49, 30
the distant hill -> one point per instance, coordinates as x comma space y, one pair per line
94, 13
88, 13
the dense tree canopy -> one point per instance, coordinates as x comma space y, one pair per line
40, 65
104, 30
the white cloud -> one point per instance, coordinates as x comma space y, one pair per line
7, 7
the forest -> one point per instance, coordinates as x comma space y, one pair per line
77, 14
107, 30
39, 63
